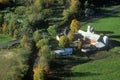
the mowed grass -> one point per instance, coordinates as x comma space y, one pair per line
109, 25
4, 38
107, 68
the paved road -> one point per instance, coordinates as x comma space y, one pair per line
8, 44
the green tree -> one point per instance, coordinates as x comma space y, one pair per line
45, 51
42, 42
37, 36
53, 30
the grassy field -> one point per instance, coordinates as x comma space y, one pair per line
110, 25
106, 67
4, 38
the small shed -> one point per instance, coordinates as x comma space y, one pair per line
65, 51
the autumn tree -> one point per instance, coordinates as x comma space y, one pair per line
63, 41
75, 26
41, 69
74, 6
4, 1
72, 9
71, 36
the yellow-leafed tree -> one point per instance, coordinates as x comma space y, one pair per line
63, 41
75, 25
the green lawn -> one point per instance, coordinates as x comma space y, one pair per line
4, 38
107, 68
109, 25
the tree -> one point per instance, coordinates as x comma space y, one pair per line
72, 10
36, 36
42, 42
4, 1
45, 51
52, 30
41, 69
75, 26
74, 6
24, 41
63, 41
71, 36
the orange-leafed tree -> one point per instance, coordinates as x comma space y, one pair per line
79, 45
71, 36
41, 69
63, 41
4, 27
75, 25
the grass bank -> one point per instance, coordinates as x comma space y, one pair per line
4, 38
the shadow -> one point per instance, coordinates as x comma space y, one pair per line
60, 67
84, 74
114, 43
105, 32
114, 36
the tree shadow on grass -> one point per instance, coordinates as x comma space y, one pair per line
84, 74
104, 32
114, 36
114, 43
61, 66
